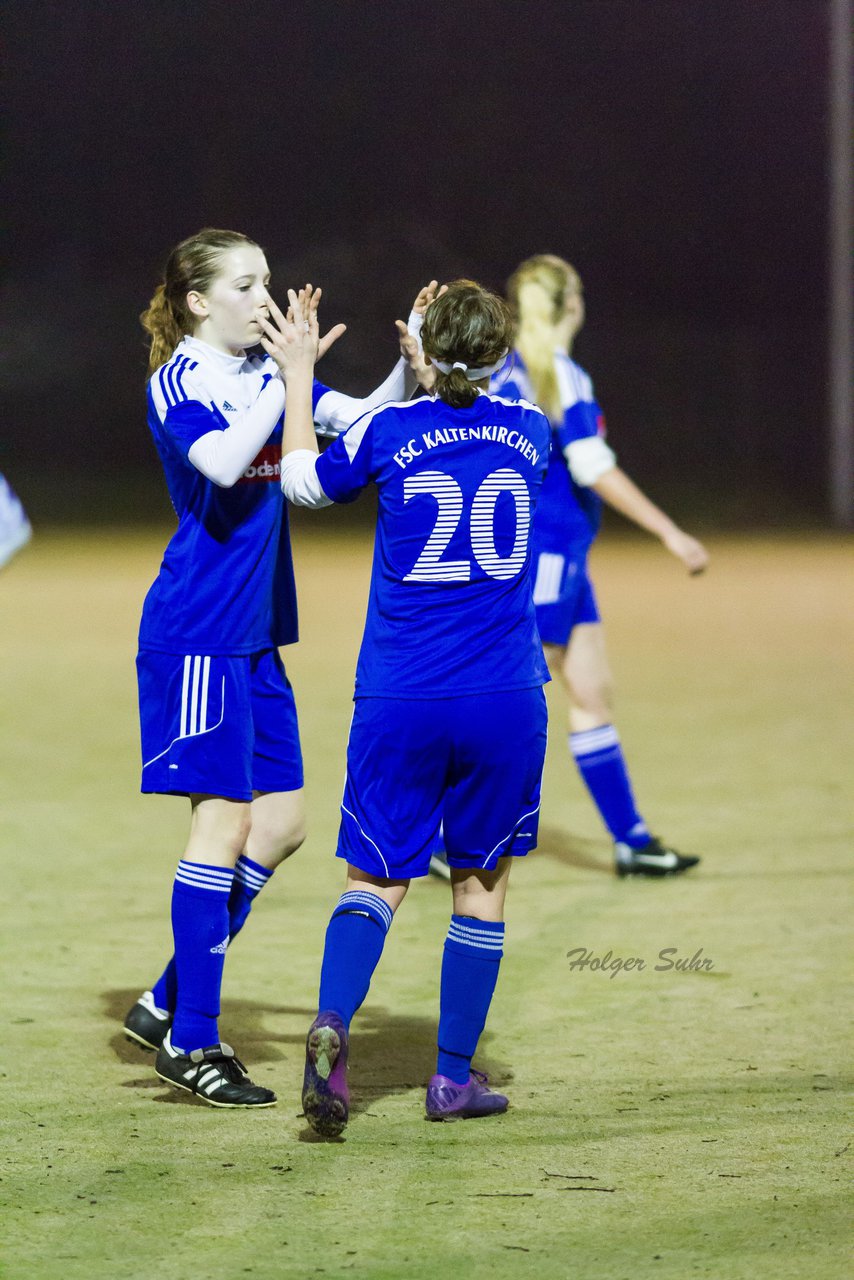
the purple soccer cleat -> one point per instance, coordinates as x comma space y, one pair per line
325, 1096
447, 1100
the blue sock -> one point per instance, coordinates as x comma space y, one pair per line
473, 950
249, 879
200, 928
354, 943
165, 989
600, 762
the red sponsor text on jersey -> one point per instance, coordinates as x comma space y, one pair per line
265, 467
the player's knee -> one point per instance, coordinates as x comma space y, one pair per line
241, 833
271, 844
293, 838
595, 697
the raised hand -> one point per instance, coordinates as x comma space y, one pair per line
426, 295
297, 335
407, 333
410, 349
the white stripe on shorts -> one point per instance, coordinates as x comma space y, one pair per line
194, 698
184, 699
549, 577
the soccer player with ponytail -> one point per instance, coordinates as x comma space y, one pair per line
450, 717
546, 295
217, 714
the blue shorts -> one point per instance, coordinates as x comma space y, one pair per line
218, 726
473, 762
563, 595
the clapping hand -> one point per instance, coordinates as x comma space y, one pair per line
296, 341
410, 346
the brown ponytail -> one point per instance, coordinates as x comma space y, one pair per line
160, 322
470, 325
192, 265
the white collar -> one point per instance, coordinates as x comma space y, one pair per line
219, 359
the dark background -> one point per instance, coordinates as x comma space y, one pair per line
673, 150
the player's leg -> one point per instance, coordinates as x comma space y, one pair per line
276, 830
197, 740
491, 815
191, 1055
582, 665
471, 960
200, 924
389, 820
278, 806
571, 632
277, 814
593, 739
355, 938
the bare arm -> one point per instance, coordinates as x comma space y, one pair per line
621, 493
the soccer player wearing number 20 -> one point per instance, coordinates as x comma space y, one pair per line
450, 715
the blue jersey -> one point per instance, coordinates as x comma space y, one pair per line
568, 514
226, 584
450, 609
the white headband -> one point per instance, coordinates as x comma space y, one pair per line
473, 375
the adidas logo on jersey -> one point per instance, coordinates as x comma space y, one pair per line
220, 948
229, 408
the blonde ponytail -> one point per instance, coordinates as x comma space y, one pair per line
538, 290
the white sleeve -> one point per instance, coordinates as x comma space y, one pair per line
335, 412
414, 324
224, 455
588, 459
300, 484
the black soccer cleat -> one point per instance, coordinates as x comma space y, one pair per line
654, 859
146, 1024
215, 1075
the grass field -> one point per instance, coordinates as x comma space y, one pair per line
664, 1123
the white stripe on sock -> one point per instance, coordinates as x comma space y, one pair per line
357, 897
593, 740
201, 877
250, 876
482, 939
